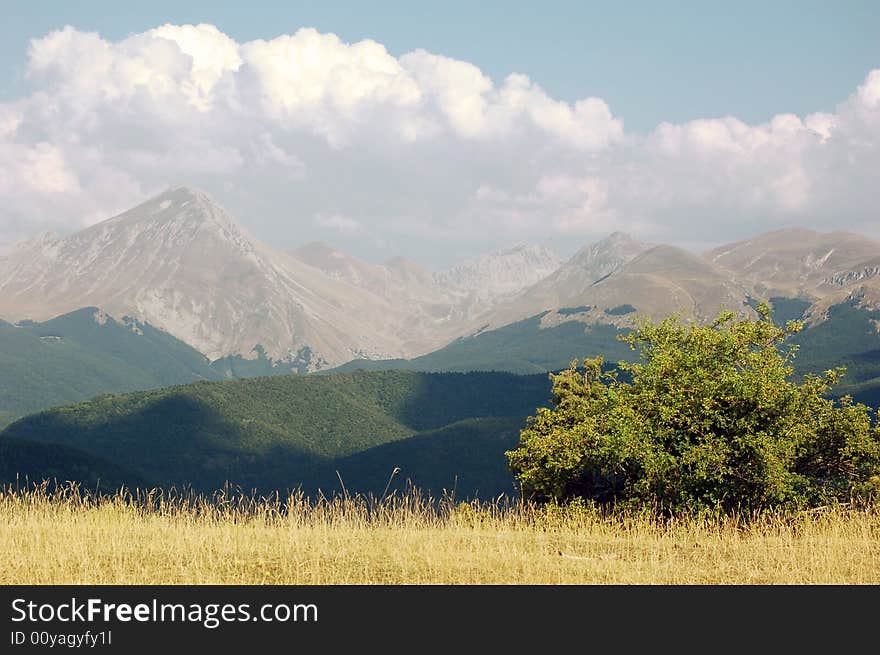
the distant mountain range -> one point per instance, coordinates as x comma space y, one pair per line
174, 290
181, 263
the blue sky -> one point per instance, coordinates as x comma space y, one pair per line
393, 128
651, 61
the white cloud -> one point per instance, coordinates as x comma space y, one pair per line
44, 170
214, 57
869, 92
298, 133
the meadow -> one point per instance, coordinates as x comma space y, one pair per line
65, 536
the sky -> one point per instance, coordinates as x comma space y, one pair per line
443, 130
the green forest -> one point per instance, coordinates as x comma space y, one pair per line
443, 431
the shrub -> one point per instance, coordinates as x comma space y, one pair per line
709, 419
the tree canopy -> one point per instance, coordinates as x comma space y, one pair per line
711, 418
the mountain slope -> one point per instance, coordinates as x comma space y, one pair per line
24, 463
499, 273
571, 282
656, 282
182, 264
276, 432
847, 336
546, 342
396, 280
436, 308
77, 355
796, 262
462, 460
665, 279
416, 311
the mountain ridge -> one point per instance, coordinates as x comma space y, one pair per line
180, 263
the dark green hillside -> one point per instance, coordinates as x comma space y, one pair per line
156, 353
466, 458
274, 432
847, 338
867, 392
522, 347
6, 418
74, 357
788, 309
27, 462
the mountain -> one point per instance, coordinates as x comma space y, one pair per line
398, 279
499, 273
415, 309
842, 328
568, 284
180, 263
799, 263
77, 355
826, 270
444, 304
618, 278
287, 431
666, 279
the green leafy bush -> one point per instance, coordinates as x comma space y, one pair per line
708, 420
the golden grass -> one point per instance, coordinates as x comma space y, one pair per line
67, 537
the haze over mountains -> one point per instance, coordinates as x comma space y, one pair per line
181, 264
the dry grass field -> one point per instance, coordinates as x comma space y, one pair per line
66, 537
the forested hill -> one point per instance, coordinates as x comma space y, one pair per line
86, 352
286, 431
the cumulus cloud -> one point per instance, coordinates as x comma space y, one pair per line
300, 133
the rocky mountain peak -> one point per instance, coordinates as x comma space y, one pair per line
603, 257
179, 203
500, 272
175, 221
